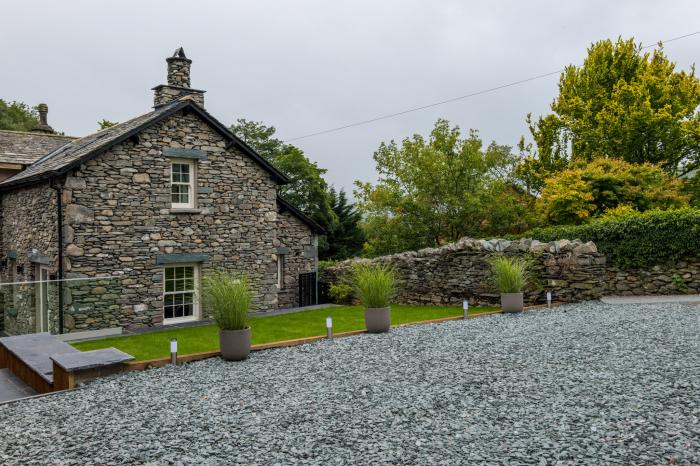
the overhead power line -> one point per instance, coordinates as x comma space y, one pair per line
454, 99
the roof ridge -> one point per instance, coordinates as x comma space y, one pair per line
29, 133
61, 160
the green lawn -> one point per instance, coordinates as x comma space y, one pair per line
155, 344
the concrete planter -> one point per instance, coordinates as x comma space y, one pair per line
378, 319
235, 344
512, 302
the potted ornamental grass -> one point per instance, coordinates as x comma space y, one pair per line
375, 286
228, 298
510, 276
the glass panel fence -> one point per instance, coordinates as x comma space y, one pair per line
35, 306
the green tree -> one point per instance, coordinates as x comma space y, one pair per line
17, 116
587, 190
691, 186
346, 237
620, 103
258, 136
307, 189
436, 190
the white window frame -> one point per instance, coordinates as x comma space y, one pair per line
280, 271
192, 193
195, 297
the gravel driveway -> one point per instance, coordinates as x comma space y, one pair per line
582, 384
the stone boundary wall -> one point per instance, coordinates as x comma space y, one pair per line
676, 278
572, 270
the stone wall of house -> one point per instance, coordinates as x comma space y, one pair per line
4, 275
297, 242
573, 271
118, 220
28, 239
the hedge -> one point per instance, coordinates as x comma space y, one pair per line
635, 239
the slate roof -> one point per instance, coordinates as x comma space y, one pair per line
77, 151
25, 148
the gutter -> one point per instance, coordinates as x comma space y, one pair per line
61, 272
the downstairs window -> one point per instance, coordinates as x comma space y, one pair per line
180, 295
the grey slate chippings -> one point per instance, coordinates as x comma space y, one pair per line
581, 384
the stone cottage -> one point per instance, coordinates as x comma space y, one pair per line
135, 214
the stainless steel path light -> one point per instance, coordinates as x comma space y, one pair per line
549, 299
329, 327
465, 307
173, 351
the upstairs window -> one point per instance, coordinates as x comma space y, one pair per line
182, 184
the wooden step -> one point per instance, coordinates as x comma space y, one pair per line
29, 358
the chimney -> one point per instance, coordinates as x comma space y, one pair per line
43, 126
178, 82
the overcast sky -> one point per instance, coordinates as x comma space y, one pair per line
305, 66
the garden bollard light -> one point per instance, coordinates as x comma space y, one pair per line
329, 327
549, 299
465, 306
173, 351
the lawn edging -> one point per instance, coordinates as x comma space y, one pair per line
192, 357
162, 362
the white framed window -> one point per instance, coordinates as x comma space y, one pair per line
180, 293
182, 192
280, 271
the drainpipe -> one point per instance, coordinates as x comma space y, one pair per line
61, 271
315, 243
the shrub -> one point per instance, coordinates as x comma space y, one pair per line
679, 284
510, 275
635, 239
324, 264
584, 191
375, 285
228, 299
341, 293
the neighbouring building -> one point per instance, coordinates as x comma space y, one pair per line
18, 150
136, 214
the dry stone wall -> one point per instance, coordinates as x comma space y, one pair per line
572, 270
676, 278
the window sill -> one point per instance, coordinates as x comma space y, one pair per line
179, 320
185, 211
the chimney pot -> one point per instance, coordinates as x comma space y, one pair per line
43, 112
43, 126
179, 69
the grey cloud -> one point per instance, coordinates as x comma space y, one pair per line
305, 66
